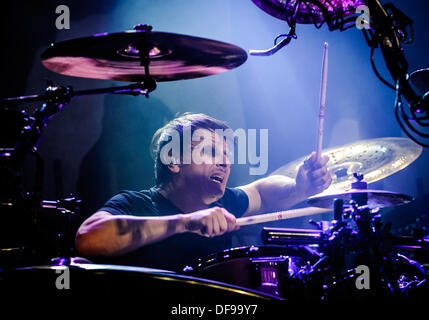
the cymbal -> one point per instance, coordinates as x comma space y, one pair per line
309, 12
116, 56
374, 158
420, 79
375, 198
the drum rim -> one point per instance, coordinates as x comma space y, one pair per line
157, 274
252, 252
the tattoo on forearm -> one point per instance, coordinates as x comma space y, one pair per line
194, 225
125, 227
171, 227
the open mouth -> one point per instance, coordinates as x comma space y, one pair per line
216, 178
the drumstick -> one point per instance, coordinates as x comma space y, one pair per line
322, 101
281, 215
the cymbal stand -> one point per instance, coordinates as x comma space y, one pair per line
359, 238
67, 207
54, 99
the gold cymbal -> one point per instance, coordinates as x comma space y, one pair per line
374, 158
374, 198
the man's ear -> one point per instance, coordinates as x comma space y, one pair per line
174, 168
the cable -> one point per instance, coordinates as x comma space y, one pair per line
377, 73
399, 109
293, 36
406, 131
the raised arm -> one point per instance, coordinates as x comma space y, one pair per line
276, 193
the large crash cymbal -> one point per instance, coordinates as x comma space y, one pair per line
117, 56
374, 158
374, 198
309, 11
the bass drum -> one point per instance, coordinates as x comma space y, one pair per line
269, 269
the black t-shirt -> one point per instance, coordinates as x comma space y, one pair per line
177, 251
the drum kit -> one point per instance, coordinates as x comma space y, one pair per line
320, 264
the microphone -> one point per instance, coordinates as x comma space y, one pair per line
389, 30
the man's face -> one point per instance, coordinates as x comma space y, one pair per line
208, 173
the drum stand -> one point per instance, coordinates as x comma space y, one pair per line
24, 207
67, 207
356, 241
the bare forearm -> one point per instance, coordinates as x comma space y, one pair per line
275, 193
270, 194
279, 193
108, 235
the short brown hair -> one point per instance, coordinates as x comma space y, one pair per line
162, 137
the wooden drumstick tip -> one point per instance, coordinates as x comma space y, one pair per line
322, 102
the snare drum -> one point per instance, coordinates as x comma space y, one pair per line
269, 269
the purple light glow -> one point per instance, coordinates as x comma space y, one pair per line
100, 34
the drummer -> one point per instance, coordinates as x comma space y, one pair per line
190, 212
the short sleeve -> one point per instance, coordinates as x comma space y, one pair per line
127, 203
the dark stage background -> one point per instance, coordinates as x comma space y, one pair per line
99, 145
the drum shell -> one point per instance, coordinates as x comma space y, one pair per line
269, 269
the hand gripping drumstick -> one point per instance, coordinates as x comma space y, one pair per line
289, 214
304, 211
322, 101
